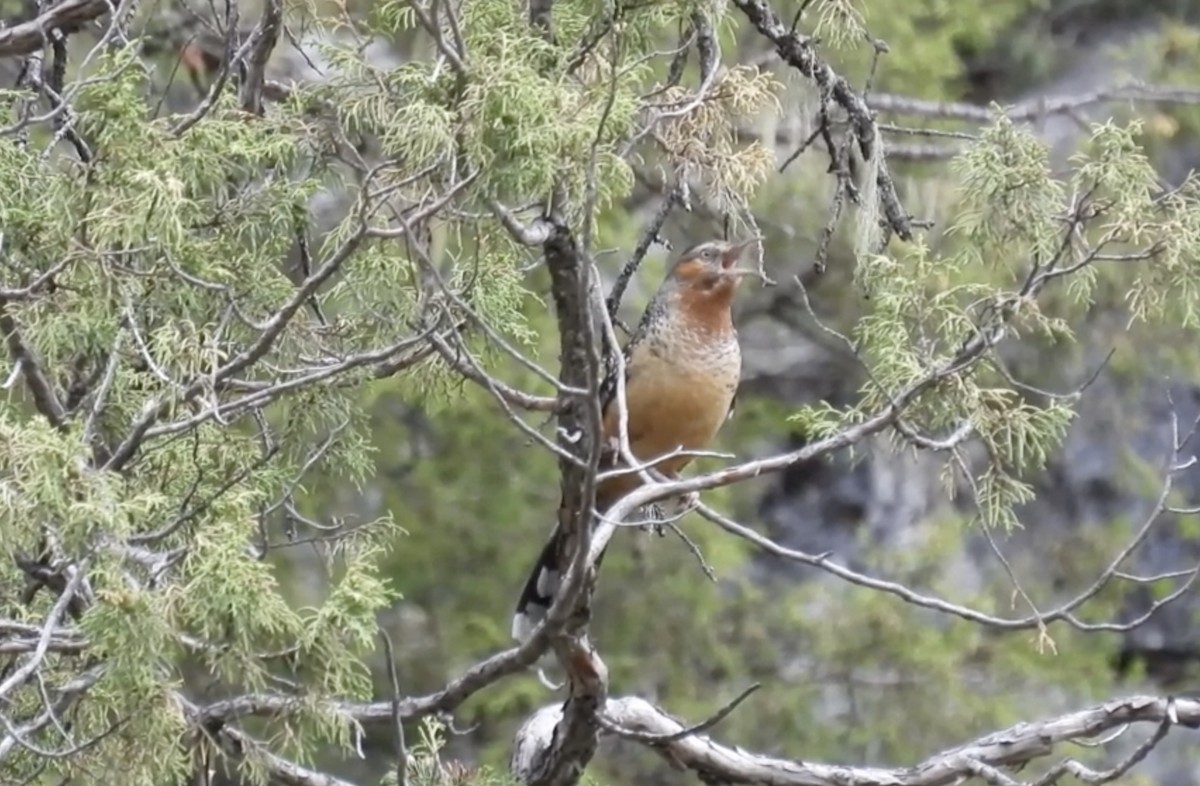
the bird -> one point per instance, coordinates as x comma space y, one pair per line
682, 368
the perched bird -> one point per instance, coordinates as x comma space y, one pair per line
682, 367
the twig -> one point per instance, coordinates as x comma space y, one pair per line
230, 59
692, 547
1087, 775
661, 739
649, 237
397, 721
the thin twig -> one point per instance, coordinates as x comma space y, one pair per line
661, 739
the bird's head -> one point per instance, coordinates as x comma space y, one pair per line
712, 267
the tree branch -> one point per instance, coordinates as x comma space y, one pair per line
238, 745
45, 398
797, 51
717, 763
1034, 108
579, 426
67, 16
262, 43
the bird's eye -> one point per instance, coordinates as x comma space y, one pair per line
710, 253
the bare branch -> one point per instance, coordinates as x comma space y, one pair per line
649, 237
1064, 612
1088, 775
661, 739
67, 16
467, 366
475, 679
1018, 745
397, 721
1035, 108
231, 59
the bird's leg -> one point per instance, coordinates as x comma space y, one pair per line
658, 515
671, 509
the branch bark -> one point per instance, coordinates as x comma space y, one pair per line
264, 38
1035, 108
573, 743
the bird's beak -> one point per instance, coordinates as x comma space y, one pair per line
732, 256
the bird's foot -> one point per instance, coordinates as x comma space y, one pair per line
654, 527
670, 510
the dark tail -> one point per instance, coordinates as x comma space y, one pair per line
540, 588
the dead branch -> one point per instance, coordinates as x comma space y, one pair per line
649, 237
1067, 611
714, 762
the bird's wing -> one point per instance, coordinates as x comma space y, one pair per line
608, 387
608, 396
733, 400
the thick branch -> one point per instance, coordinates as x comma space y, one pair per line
264, 39
67, 16
478, 677
574, 743
717, 763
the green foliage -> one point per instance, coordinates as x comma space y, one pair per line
163, 233
1017, 229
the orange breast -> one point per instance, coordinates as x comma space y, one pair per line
671, 405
